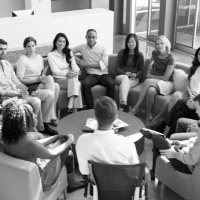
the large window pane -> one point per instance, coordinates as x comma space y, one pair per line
154, 23
186, 22
141, 17
197, 41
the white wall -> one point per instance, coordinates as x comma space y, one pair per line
7, 6
40, 7
68, 5
44, 28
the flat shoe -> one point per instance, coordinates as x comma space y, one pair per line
72, 189
122, 107
133, 111
54, 122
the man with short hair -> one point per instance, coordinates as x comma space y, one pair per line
95, 61
104, 145
10, 86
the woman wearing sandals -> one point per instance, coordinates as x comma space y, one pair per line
65, 71
159, 76
129, 66
29, 71
192, 89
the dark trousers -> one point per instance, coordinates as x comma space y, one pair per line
92, 80
160, 143
67, 159
179, 110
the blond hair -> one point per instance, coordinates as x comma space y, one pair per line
165, 41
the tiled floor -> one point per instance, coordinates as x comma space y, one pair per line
162, 192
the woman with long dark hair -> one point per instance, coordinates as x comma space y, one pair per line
65, 70
129, 67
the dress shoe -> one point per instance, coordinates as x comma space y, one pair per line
72, 189
54, 122
148, 133
123, 107
152, 173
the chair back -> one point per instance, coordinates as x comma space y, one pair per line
116, 182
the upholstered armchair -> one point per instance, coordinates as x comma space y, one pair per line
20, 180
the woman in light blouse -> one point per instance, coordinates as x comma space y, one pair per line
65, 70
30, 68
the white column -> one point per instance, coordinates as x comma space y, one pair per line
40, 7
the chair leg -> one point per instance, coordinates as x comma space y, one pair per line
65, 194
136, 194
59, 111
156, 183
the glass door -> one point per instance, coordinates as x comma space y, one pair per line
188, 25
147, 18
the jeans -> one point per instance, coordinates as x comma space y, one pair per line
92, 80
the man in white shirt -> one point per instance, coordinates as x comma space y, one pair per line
104, 145
95, 61
10, 86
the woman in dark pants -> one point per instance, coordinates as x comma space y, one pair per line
179, 110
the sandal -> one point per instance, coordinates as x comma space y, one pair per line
134, 111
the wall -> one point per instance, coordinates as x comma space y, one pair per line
67, 5
7, 6
44, 28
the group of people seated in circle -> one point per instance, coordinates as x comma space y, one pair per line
34, 111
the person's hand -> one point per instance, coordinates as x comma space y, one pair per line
133, 76
71, 74
178, 144
70, 137
79, 61
23, 94
193, 128
128, 74
169, 153
22, 87
39, 78
190, 104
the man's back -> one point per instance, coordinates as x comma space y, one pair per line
105, 147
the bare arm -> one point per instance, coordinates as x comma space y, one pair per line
167, 74
37, 149
30, 80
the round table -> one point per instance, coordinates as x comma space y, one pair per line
74, 123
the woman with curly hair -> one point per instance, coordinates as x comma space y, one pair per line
50, 154
65, 70
159, 76
129, 66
